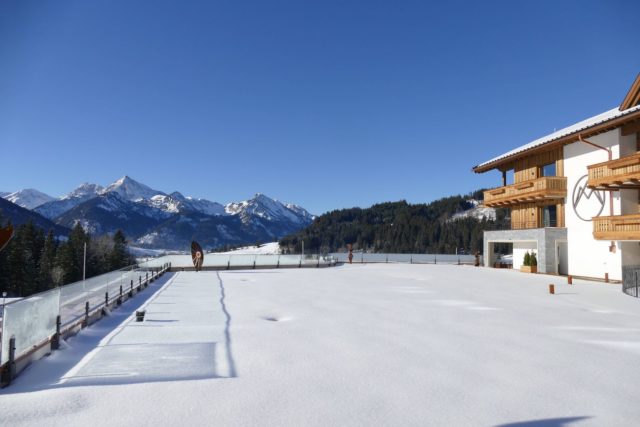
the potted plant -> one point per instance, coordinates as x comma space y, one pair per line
530, 263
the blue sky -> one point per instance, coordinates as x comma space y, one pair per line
324, 104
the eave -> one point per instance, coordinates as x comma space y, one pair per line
606, 126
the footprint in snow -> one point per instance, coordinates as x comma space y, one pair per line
276, 318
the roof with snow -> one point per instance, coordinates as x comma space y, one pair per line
629, 110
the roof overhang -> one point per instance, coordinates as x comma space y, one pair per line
627, 112
505, 161
633, 96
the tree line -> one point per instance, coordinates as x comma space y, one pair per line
399, 227
35, 261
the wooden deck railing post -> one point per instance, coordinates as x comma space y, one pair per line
11, 373
55, 341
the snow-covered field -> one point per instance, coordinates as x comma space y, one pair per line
363, 345
270, 248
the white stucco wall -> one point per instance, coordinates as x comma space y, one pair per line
519, 249
628, 198
587, 256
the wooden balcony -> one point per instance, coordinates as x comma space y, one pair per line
548, 187
619, 227
615, 174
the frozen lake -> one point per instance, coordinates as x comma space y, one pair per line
385, 344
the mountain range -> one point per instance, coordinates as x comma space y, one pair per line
155, 219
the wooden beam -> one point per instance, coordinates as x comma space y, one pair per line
633, 96
630, 128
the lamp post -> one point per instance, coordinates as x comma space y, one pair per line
84, 262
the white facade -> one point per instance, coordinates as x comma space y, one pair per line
587, 256
573, 249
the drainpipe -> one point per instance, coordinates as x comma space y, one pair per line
612, 248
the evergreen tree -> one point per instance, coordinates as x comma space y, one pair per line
119, 256
70, 255
47, 263
398, 227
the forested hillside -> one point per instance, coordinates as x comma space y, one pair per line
34, 261
398, 227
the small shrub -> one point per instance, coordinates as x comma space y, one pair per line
534, 260
527, 259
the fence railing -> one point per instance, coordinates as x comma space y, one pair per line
29, 323
236, 261
539, 188
364, 257
615, 172
631, 280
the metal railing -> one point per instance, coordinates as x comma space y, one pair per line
631, 280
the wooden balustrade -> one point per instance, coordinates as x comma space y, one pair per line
619, 227
548, 187
614, 174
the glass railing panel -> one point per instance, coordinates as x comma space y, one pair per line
290, 260
216, 260
242, 260
31, 321
266, 260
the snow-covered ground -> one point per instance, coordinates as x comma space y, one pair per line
266, 249
385, 344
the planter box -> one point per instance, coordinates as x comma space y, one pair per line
529, 269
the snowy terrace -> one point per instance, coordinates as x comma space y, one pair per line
365, 344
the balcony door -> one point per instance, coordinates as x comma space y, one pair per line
550, 216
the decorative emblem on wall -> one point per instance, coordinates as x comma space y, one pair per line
587, 202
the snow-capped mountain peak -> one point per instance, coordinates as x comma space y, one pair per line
172, 220
269, 209
80, 194
28, 198
131, 189
84, 190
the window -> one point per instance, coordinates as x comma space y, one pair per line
549, 216
510, 177
548, 170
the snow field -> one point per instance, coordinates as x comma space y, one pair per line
265, 249
353, 345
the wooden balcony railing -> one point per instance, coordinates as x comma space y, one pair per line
614, 174
619, 227
548, 187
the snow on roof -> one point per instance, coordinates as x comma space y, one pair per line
614, 113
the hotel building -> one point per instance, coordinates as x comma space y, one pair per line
574, 196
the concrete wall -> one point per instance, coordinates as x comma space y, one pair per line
544, 239
587, 256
